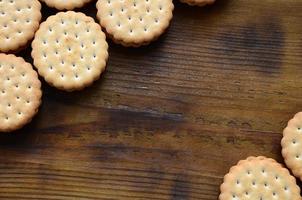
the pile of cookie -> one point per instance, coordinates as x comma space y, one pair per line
261, 178
69, 49
70, 52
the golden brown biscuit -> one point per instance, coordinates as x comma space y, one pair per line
259, 178
66, 4
20, 93
70, 51
135, 23
19, 20
292, 145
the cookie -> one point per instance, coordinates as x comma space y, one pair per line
19, 20
198, 2
292, 145
134, 23
70, 51
259, 178
20, 92
66, 5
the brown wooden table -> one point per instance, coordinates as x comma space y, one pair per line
168, 120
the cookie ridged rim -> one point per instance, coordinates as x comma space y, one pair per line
38, 93
135, 42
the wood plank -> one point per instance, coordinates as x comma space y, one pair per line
168, 120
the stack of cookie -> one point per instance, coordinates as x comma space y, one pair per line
69, 49
261, 178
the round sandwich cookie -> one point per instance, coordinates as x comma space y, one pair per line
20, 93
19, 20
70, 51
259, 178
66, 5
292, 145
198, 2
134, 23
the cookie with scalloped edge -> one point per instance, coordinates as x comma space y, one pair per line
259, 178
292, 145
70, 51
19, 20
135, 23
20, 92
66, 5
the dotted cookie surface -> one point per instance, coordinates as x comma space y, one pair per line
198, 2
259, 178
20, 93
66, 4
70, 51
292, 145
135, 23
19, 19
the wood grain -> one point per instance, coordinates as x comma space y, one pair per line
168, 120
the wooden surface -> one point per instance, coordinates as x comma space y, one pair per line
168, 120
